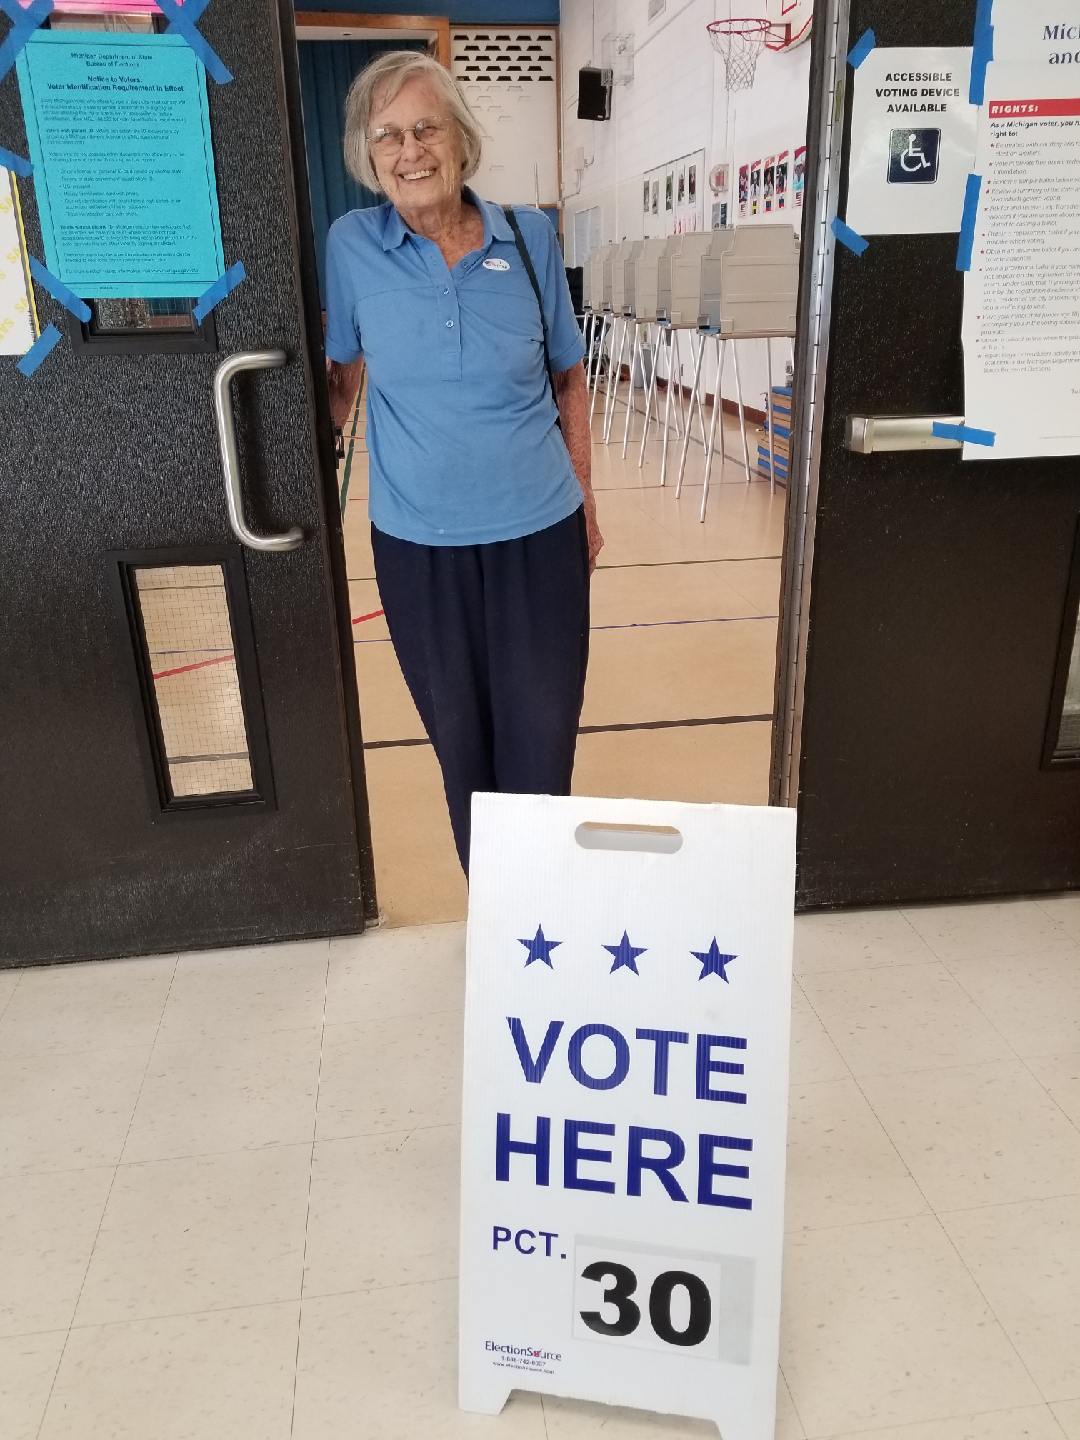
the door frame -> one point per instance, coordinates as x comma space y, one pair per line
824, 148
292, 115
348, 25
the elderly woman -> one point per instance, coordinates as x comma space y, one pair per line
483, 523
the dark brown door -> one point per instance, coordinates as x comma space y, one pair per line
181, 756
929, 669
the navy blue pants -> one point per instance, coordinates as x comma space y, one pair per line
493, 641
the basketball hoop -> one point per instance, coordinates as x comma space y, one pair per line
739, 43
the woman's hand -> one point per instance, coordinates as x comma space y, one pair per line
343, 382
572, 398
596, 540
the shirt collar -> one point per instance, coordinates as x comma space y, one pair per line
495, 226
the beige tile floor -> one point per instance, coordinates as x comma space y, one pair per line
684, 628
228, 1190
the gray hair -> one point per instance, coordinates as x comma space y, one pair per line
383, 78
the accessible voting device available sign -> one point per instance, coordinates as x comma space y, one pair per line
625, 1105
912, 141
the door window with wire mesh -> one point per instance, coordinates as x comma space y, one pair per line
194, 646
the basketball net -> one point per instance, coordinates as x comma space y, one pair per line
739, 43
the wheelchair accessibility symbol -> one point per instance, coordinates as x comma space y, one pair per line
913, 156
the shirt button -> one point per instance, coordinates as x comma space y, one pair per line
449, 324
446, 291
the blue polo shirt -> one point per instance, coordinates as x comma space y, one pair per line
462, 438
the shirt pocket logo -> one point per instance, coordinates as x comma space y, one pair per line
496, 264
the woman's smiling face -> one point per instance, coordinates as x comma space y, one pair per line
423, 173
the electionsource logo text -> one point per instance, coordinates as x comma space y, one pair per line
522, 1357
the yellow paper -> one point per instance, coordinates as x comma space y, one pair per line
19, 326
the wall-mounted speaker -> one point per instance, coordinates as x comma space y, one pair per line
594, 93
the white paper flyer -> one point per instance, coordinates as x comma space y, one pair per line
1021, 309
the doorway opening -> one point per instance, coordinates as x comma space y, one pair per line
679, 701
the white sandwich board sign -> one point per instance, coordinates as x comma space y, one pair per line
627, 1023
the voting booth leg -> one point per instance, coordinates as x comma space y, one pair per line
717, 406
742, 411
667, 403
680, 398
772, 424
652, 400
655, 361
599, 362
614, 358
699, 354
637, 357
614, 364
624, 336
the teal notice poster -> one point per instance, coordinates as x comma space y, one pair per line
119, 135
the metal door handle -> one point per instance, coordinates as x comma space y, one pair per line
230, 457
868, 434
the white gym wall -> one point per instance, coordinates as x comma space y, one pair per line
508, 74
675, 105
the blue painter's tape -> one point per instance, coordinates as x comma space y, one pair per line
23, 25
982, 51
851, 238
46, 342
182, 24
59, 291
862, 47
15, 162
964, 433
218, 290
966, 246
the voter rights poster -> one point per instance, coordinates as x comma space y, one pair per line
625, 1105
1021, 326
912, 141
119, 134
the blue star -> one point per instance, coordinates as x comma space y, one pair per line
625, 954
713, 963
539, 948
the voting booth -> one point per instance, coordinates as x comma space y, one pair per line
623, 272
747, 289
652, 280
750, 287
686, 265
624, 345
625, 1105
599, 267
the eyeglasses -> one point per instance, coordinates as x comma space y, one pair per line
389, 139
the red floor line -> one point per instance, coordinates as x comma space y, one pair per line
374, 615
199, 665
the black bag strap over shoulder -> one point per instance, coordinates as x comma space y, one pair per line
526, 260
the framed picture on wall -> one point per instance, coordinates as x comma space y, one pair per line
656, 197
755, 187
799, 176
781, 179
682, 184
669, 186
768, 182
645, 203
744, 190
691, 185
